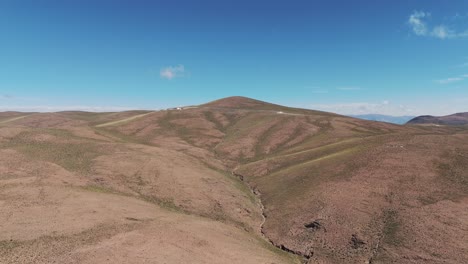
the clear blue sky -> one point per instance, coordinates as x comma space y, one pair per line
389, 57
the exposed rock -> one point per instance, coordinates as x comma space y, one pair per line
356, 242
314, 225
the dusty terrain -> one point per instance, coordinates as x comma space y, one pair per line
232, 181
458, 119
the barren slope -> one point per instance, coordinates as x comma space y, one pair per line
72, 194
458, 119
333, 189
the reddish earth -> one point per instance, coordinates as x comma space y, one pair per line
459, 119
233, 181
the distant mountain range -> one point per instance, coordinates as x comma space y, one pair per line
458, 119
385, 118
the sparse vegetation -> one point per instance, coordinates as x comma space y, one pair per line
303, 165
164, 203
72, 153
6, 245
391, 230
100, 189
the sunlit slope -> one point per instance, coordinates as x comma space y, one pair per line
71, 192
334, 188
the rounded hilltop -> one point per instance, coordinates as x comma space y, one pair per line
458, 119
240, 102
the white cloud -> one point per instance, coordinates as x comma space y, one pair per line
459, 16
450, 80
319, 91
349, 88
172, 72
386, 107
383, 108
453, 79
419, 26
443, 32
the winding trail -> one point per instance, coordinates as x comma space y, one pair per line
123, 120
13, 119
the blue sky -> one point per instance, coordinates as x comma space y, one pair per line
350, 57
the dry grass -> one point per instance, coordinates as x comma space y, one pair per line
72, 153
307, 165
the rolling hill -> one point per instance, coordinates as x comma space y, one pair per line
458, 119
235, 180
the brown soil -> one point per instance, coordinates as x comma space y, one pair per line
233, 181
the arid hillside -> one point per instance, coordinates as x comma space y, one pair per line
458, 119
232, 181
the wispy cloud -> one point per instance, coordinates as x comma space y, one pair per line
443, 32
459, 16
172, 72
349, 88
385, 108
419, 25
452, 79
319, 91
46, 108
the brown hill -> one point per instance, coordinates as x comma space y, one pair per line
222, 182
240, 102
458, 119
